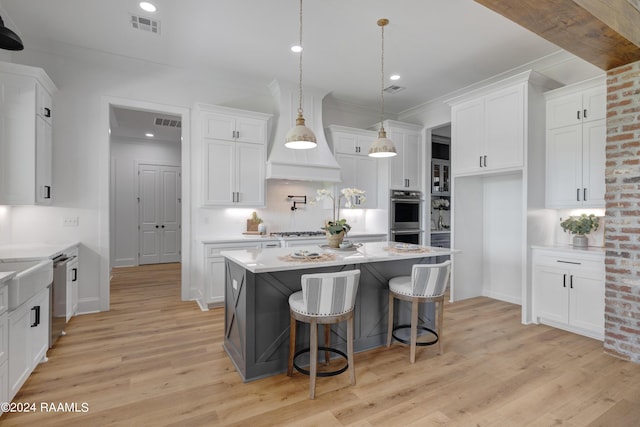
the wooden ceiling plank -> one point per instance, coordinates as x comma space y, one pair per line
571, 27
620, 15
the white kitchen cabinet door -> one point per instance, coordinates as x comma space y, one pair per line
362, 173
40, 332
20, 362
25, 138
220, 126
405, 168
250, 172
219, 172
594, 104
564, 167
586, 302
4, 383
467, 142
345, 143
576, 107
552, 291
214, 291
44, 152
505, 130
72, 288
594, 141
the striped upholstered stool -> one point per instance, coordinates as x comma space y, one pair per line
427, 283
326, 298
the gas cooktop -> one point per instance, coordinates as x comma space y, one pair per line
298, 234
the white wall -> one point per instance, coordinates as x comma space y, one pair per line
126, 155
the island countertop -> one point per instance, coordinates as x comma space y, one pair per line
274, 259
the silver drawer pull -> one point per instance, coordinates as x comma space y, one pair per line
569, 262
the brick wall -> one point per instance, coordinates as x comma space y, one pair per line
622, 218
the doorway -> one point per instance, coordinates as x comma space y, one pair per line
162, 115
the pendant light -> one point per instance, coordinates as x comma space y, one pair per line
300, 137
8, 39
383, 146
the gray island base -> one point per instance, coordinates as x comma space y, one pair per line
257, 289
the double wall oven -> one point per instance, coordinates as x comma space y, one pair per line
405, 216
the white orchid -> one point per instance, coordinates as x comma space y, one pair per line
352, 196
440, 204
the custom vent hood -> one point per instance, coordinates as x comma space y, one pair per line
315, 164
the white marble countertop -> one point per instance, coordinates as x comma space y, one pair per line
33, 251
235, 238
266, 260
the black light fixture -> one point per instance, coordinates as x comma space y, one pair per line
8, 39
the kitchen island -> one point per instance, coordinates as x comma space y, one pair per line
259, 281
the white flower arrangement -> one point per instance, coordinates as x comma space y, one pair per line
440, 204
351, 195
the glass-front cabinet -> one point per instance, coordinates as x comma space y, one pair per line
440, 175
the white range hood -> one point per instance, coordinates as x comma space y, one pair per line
315, 164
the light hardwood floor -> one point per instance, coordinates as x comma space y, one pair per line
154, 360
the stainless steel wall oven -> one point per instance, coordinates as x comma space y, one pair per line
405, 216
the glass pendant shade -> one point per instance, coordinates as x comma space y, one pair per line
300, 137
382, 146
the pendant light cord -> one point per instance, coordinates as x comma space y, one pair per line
381, 76
300, 66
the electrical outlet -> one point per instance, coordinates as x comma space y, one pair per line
70, 221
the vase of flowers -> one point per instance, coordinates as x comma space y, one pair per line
580, 226
337, 227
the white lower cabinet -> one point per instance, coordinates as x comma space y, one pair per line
72, 287
28, 339
215, 271
569, 291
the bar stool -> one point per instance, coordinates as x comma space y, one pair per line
326, 298
427, 283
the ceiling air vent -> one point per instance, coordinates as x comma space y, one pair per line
159, 121
145, 24
393, 89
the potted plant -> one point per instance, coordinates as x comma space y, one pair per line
337, 228
580, 226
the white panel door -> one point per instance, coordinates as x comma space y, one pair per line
552, 294
43, 161
159, 211
396, 163
250, 164
170, 214
564, 167
504, 127
149, 214
468, 139
586, 305
219, 126
219, 184
594, 139
412, 160
367, 180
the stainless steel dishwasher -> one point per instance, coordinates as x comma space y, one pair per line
58, 298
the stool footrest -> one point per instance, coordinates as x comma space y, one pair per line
419, 343
325, 373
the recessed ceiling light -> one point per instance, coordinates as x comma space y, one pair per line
394, 77
147, 7
148, 135
296, 48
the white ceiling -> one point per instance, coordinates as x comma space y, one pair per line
437, 46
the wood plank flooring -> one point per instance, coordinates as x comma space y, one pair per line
154, 360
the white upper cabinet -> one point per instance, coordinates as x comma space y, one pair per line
25, 135
488, 132
234, 150
357, 169
576, 145
405, 169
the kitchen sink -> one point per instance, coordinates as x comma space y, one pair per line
31, 277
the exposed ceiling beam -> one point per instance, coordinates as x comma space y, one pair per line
571, 27
620, 15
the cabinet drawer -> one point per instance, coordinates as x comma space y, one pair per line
4, 298
213, 250
590, 264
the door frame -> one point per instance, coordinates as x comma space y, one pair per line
105, 191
